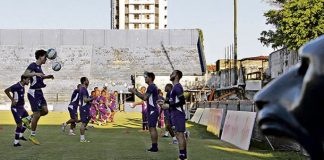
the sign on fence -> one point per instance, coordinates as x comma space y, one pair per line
204, 117
215, 121
238, 128
196, 117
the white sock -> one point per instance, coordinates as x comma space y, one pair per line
33, 133
16, 141
29, 118
174, 138
71, 130
20, 134
166, 133
82, 137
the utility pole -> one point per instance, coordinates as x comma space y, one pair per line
235, 42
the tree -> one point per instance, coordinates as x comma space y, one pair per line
296, 22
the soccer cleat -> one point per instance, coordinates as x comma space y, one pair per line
34, 140
63, 127
26, 123
72, 134
23, 138
17, 145
84, 141
174, 141
153, 150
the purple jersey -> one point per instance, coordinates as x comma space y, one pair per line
36, 82
83, 93
152, 90
75, 98
178, 117
18, 92
176, 92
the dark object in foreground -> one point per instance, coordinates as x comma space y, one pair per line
293, 104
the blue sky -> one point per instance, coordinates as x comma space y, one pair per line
214, 17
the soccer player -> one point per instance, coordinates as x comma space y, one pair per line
151, 97
103, 114
73, 110
17, 107
178, 117
167, 116
113, 105
144, 109
35, 94
84, 108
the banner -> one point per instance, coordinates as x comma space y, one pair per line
238, 128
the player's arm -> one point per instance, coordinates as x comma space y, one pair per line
87, 99
30, 73
136, 104
181, 102
47, 77
7, 91
143, 97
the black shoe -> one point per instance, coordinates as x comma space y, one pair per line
165, 136
23, 138
153, 150
17, 145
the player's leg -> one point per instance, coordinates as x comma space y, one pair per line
84, 115
16, 116
180, 127
152, 121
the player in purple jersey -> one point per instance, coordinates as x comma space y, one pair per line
35, 94
17, 107
167, 116
84, 101
73, 110
178, 117
151, 97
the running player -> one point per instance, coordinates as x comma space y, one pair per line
73, 110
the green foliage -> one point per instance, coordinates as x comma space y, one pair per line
296, 22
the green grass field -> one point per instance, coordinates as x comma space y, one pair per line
121, 140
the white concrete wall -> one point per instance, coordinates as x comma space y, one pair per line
105, 56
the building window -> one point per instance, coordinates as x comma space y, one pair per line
136, 7
147, 6
148, 26
165, 8
165, 17
136, 26
165, 26
136, 16
147, 16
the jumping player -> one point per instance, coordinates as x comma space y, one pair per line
35, 94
